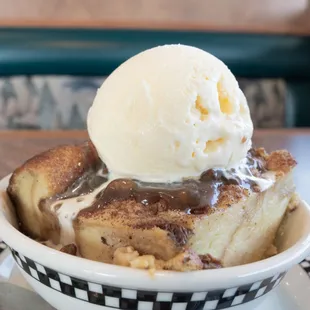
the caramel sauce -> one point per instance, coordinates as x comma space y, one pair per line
193, 196
87, 183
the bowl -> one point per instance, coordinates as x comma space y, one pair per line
72, 283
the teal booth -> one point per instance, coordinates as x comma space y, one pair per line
96, 52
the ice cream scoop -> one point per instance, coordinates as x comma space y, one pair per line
169, 113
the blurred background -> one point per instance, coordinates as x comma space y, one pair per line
54, 54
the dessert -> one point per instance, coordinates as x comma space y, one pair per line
168, 180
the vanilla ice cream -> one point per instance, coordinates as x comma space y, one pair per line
168, 113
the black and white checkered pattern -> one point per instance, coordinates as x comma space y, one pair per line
130, 299
305, 265
2, 246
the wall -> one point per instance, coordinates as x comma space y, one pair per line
276, 16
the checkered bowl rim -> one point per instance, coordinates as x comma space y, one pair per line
120, 297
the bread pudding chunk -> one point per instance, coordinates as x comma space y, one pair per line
224, 218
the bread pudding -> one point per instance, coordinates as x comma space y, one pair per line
222, 219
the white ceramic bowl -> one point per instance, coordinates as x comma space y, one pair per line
73, 283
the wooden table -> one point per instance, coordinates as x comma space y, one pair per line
17, 146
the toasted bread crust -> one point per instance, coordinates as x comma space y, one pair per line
61, 166
43, 176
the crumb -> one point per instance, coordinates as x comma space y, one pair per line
209, 262
281, 162
185, 261
69, 249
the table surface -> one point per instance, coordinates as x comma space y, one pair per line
17, 146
